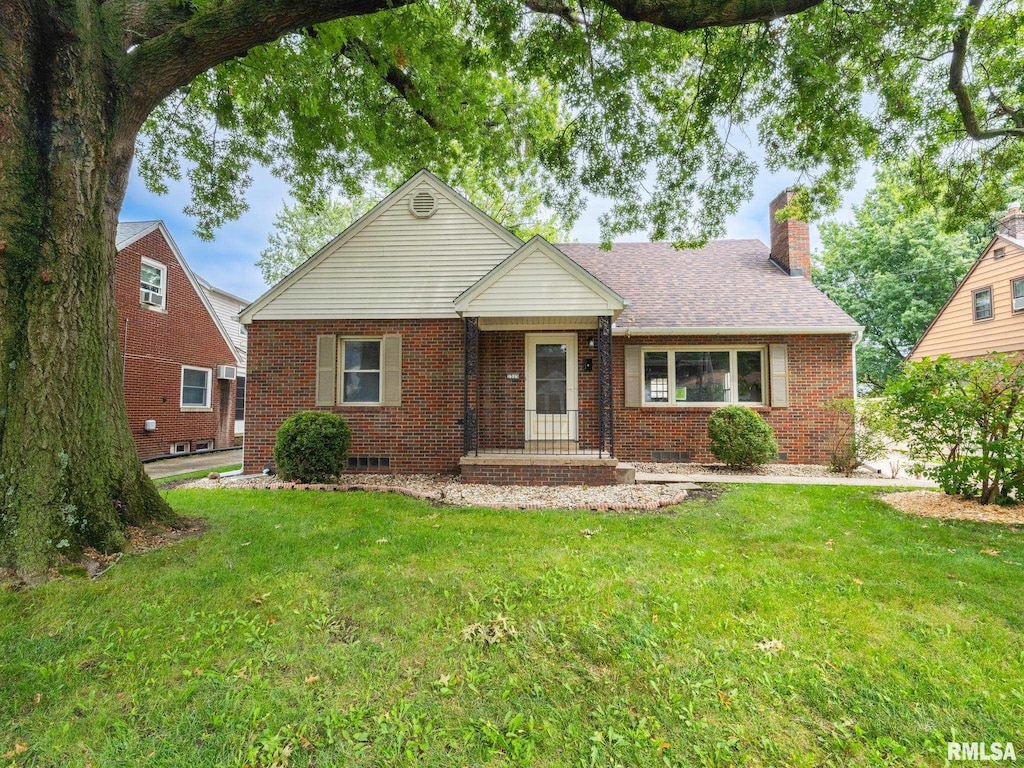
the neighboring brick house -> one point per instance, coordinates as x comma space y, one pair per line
985, 313
227, 306
179, 363
451, 345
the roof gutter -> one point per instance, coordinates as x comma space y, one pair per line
738, 330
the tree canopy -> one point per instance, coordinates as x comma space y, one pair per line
569, 100
892, 268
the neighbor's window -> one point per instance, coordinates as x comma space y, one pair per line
1018, 294
983, 304
704, 376
360, 381
153, 284
195, 387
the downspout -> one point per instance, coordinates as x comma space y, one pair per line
853, 351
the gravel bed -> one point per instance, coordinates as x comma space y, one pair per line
776, 470
447, 489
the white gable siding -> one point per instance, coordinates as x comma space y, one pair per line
227, 310
537, 285
396, 266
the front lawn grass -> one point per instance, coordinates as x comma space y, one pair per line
194, 475
327, 629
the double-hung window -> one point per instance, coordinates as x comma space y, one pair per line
1018, 294
195, 387
704, 377
153, 284
983, 304
361, 371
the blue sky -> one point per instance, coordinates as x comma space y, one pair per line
229, 261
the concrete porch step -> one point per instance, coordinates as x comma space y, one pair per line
625, 474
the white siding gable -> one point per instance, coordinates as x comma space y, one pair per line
393, 263
538, 281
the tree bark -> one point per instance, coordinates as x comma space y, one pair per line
69, 473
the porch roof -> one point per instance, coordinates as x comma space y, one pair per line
538, 280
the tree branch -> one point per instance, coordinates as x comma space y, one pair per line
960, 90
684, 15
156, 67
394, 76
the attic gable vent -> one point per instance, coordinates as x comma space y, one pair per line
423, 204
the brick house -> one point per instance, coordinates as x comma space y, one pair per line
451, 345
179, 363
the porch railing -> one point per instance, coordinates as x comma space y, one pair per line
518, 430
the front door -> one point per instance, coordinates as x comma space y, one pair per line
551, 398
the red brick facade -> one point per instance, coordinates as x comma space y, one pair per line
424, 434
156, 344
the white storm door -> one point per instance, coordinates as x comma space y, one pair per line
551, 380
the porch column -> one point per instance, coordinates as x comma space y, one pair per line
470, 371
605, 420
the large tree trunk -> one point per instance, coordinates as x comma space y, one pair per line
69, 473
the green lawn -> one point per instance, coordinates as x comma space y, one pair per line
326, 629
161, 481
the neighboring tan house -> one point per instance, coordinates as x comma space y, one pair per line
985, 313
179, 362
227, 306
450, 344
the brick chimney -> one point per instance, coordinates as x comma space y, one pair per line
791, 239
1012, 224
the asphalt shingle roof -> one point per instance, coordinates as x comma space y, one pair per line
725, 284
127, 230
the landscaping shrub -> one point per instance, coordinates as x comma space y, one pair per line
858, 433
963, 423
741, 438
312, 447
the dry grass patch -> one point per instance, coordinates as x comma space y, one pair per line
946, 507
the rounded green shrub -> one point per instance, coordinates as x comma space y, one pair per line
739, 437
312, 447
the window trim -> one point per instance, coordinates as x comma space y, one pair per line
185, 443
1012, 299
339, 351
732, 349
162, 307
208, 443
209, 387
991, 304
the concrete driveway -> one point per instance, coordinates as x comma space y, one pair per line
193, 463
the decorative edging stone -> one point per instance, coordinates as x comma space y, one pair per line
649, 506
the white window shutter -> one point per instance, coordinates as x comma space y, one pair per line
392, 367
326, 363
778, 366
634, 377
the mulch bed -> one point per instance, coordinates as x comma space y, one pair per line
944, 507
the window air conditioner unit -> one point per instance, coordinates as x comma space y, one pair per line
225, 372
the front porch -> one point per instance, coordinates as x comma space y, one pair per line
537, 372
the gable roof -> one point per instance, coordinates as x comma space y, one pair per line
420, 178
129, 232
725, 286
538, 280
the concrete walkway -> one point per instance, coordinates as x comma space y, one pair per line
193, 463
877, 482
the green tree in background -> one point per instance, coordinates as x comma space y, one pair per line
301, 229
892, 268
